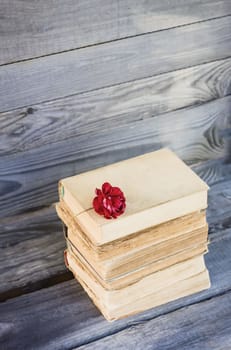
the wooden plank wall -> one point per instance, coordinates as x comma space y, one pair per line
86, 83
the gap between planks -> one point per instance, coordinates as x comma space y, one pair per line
106, 90
120, 84
111, 41
29, 179
90, 68
82, 24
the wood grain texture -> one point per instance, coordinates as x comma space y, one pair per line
206, 326
40, 28
62, 317
104, 109
77, 71
29, 179
22, 228
31, 253
31, 248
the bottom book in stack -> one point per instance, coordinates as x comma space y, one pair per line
176, 281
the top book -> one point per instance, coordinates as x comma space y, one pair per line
158, 187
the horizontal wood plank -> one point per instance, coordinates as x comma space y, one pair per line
47, 78
34, 224
31, 253
39, 28
104, 109
31, 245
206, 326
29, 179
64, 317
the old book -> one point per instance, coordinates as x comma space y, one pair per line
134, 241
119, 281
148, 257
158, 187
129, 273
136, 251
177, 281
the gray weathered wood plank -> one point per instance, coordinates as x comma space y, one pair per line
29, 179
62, 316
206, 326
77, 71
39, 28
31, 245
103, 109
31, 249
32, 225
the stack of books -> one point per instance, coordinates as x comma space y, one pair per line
151, 254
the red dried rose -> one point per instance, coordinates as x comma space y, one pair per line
109, 201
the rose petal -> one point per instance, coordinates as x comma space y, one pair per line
123, 207
98, 191
114, 215
107, 204
107, 214
96, 204
116, 202
106, 188
116, 191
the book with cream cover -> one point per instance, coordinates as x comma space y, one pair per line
158, 187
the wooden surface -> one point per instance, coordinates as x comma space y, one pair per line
108, 108
87, 69
38, 28
88, 83
196, 327
31, 252
29, 179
